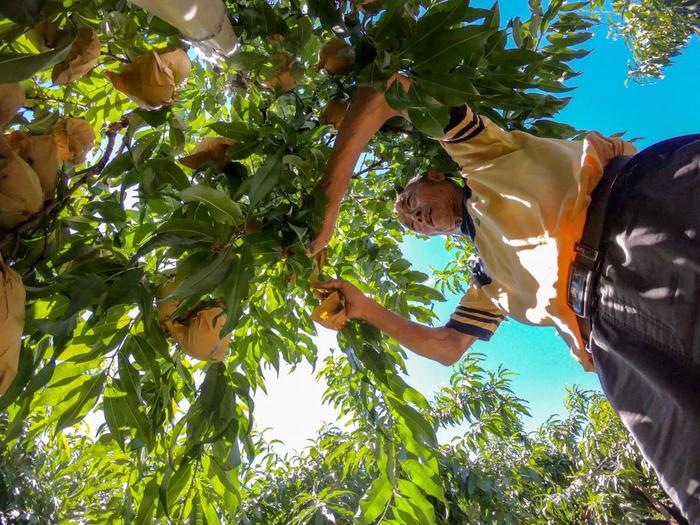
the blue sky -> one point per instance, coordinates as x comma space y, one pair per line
601, 102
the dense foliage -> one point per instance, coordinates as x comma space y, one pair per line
582, 469
655, 31
230, 237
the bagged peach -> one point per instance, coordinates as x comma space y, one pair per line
21, 195
12, 297
74, 140
209, 149
11, 99
82, 58
331, 312
150, 79
41, 153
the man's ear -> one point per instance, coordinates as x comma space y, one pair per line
435, 176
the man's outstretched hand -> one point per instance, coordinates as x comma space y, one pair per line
357, 304
325, 234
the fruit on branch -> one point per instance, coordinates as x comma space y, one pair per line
197, 332
166, 307
331, 312
46, 35
12, 296
253, 226
21, 195
199, 336
209, 149
82, 57
282, 79
334, 112
11, 99
178, 61
75, 138
150, 79
41, 153
336, 57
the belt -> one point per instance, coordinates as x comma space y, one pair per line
583, 274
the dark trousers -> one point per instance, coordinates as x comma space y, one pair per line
646, 327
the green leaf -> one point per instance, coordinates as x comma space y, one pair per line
155, 118
24, 12
376, 499
246, 60
173, 484
159, 172
239, 131
15, 67
452, 90
71, 412
438, 19
426, 476
205, 278
326, 11
25, 369
145, 146
211, 516
264, 180
450, 48
147, 506
414, 503
431, 121
418, 425
220, 204
235, 287
190, 228
86, 290
113, 410
559, 40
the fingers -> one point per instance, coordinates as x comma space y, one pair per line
317, 245
324, 288
337, 284
314, 249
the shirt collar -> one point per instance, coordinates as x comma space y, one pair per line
467, 226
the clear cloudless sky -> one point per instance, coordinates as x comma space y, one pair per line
601, 102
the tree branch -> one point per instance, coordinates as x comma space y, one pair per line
672, 515
53, 207
373, 166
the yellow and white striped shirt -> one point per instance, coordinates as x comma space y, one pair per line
528, 204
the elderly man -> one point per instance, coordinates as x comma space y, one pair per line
579, 235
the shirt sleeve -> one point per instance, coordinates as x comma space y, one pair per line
476, 315
473, 140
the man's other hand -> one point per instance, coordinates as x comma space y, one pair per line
326, 233
357, 304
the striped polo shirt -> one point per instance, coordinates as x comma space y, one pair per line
526, 207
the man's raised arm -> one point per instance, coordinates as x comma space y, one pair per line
367, 113
442, 344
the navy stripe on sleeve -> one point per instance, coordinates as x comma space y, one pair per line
476, 120
470, 136
469, 329
457, 115
466, 310
477, 318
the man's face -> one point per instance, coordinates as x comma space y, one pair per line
431, 206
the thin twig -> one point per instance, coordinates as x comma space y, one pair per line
375, 165
54, 206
